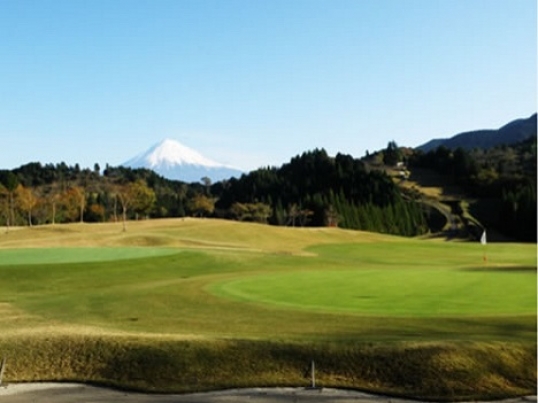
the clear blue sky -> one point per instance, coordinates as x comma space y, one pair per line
255, 82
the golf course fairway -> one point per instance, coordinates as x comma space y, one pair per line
198, 304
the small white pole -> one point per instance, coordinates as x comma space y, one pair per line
313, 373
2, 369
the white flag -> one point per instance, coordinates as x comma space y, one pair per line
483, 238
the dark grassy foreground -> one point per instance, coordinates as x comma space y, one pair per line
443, 371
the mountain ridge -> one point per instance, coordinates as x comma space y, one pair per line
512, 132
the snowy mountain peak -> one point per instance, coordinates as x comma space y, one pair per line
171, 152
173, 160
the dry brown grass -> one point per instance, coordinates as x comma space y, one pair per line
183, 233
428, 183
432, 371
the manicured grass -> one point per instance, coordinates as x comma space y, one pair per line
411, 292
12, 257
183, 292
214, 287
390, 290
411, 279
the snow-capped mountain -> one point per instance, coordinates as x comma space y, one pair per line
173, 160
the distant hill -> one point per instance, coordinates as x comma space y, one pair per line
513, 132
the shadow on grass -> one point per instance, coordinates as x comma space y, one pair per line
473, 329
507, 269
434, 370
443, 371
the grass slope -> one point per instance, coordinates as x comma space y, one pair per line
202, 304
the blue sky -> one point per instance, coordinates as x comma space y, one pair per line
253, 83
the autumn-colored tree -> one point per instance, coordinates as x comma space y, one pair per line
69, 202
239, 211
4, 205
143, 197
85, 184
258, 212
201, 205
97, 211
110, 197
26, 201
261, 212
10, 184
295, 212
79, 194
41, 210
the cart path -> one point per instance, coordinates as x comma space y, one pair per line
81, 393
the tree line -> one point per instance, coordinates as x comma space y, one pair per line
317, 190
313, 189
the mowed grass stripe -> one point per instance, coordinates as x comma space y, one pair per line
13, 257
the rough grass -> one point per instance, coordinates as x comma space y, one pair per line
446, 371
159, 322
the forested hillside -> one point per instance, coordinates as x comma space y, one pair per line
313, 189
501, 180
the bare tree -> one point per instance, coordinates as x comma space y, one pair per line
51, 195
293, 213
124, 195
136, 195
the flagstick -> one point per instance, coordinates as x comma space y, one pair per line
483, 241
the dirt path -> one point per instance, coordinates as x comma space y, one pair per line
80, 393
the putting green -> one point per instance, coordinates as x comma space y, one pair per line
418, 293
13, 257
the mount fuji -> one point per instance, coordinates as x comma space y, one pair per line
173, 160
